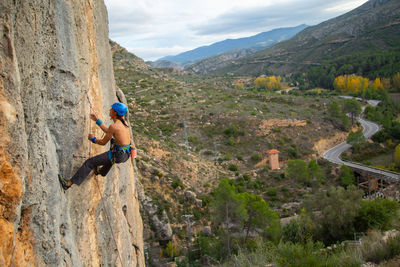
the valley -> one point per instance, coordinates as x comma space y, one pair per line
192, 132
232, 148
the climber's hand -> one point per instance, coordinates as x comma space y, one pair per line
93, 116
90, 136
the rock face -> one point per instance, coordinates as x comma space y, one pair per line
51, 52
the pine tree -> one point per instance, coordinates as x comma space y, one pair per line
353, 107
227, 208
259, 215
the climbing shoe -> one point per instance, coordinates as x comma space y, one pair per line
63, 182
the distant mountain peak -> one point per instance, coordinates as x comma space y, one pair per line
258, 41
374, 26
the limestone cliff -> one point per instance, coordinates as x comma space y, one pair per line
51, 52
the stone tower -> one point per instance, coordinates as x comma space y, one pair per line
273, 156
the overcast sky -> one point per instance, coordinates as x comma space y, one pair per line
152, 29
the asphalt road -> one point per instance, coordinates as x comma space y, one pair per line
370, 128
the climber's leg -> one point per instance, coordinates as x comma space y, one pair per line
90, 164
105, 168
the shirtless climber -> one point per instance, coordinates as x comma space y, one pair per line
119, 152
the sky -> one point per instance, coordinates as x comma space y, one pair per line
152, 29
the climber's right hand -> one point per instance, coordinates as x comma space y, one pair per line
93, 116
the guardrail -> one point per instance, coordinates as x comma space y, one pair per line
380, 171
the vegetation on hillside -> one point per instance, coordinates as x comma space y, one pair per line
210, 135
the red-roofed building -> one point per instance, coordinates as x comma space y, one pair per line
273, 156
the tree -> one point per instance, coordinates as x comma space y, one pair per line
333, 213
227, 208
346, 176
260, 83
353, 107
273, 82
337, 117
297, 169
314, 171
259, 215
298, 230
355, 138
377, 85
386, 83
334, 110
376, 214
239, 85
351, 84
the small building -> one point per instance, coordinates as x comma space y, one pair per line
273, 156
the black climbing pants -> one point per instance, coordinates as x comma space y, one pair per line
100, 160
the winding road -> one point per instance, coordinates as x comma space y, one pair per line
370, 128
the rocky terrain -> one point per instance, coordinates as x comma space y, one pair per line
51, 54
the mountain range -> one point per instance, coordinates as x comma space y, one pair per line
370, 28
250, 44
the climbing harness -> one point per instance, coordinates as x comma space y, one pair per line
114, 147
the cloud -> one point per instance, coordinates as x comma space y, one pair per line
266, 17
162, 26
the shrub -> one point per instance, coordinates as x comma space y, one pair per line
272, 192
231, 141
228, 156
177, 183
171, 250
375, 249
233, 167
293, 152
256, 157
158, 173
246, 177
192, 139
234, 131
376, 214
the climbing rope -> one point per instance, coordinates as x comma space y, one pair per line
90, 125
98, 187
108, 220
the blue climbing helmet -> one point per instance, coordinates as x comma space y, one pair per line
120, 108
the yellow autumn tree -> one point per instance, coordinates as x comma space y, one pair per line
260, 83
386, 83
377, 85
274, 82
364, 84
350, 83
356, 84
239, 85
340, 84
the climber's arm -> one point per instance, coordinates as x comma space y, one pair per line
106, 138
102, 126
